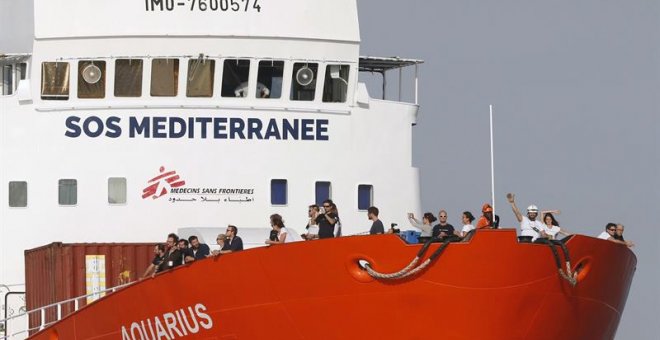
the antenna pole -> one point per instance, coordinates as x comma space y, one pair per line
492, 163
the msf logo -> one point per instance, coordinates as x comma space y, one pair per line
162, 184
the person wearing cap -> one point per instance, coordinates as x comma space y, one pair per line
486, 220
529, 226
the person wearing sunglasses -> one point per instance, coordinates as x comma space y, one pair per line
610, 235
327, 219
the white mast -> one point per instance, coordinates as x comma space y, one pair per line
492, 164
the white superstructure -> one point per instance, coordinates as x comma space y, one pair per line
131, 119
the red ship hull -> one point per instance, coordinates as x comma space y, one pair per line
491, 287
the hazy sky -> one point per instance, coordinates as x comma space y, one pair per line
575, 86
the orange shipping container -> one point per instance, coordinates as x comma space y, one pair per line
59, 271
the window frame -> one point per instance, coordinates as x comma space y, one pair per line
286, 192
9, 192
66, 85
139, 87
59, 192
318, 201
100, 85
156, 62
371, 196
125, 189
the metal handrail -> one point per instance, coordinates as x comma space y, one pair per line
59, 304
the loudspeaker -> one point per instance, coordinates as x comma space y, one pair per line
304, 76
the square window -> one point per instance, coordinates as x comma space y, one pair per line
91, 79
303, 84
55, 80
235, 75
365, 196
68, 192
164, 77
322, 192
336, 83
117, 190
200, 78
269, 79
128, 78
278, 192
18, 194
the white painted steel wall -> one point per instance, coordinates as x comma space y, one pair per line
368, 143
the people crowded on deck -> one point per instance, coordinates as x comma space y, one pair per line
610, 233
442, 229
467, 219
327, 219
377, 226
427, 223
198, 250
312, 228
277, 223
233, 242
529, 226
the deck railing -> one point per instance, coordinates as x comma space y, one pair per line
42, 313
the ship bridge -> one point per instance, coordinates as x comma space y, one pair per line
300, 55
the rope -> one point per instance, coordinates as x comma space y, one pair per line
566, 275
410, 269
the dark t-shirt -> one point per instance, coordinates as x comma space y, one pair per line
171, 260
447, 229
202, 251
377, 228
235, 245
185, 253
157, 260
326, 230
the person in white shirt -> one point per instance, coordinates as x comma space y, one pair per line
426, 226
312, 227
467, 219
609, 234
551, 226
277, 224
529, 226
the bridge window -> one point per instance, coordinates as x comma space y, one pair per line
18, 194
323, 191
278, 192
6, 79
269, 79
365, 196
235, 75
200, 78
91, 79
22, 71
55, 80
336, 83
128, 78
303, 84
117, 190
164, 77
68, 192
